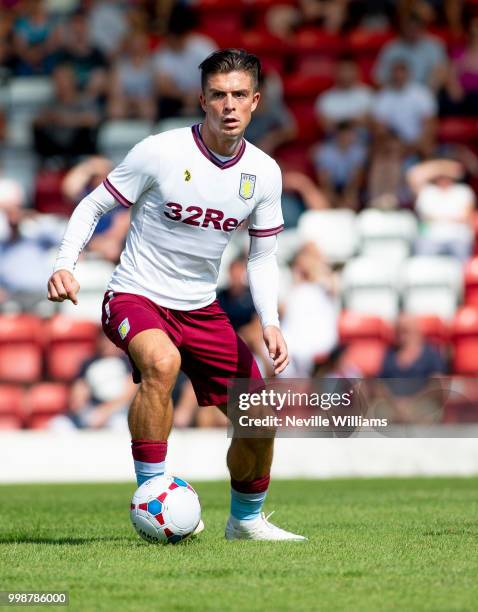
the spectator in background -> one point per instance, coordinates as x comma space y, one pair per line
310, 320
408, 109
339, 165
424, 54
461, 96
36, 40
133, 82
237, 302
87, 61
299, 193
176, 64
272, 124
386, 186
236, 299
411, 395
445, 207
284, 20
107, 17
349, 100
67, 128
24, 266
101, 393
110, 232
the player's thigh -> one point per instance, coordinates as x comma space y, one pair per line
143, 331
154, 353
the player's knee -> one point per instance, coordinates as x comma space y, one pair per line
162, 368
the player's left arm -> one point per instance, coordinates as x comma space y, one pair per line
263, 272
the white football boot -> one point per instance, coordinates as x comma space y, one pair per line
258, 529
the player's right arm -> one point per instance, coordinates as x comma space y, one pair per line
124, 185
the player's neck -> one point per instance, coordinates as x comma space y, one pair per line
222, 146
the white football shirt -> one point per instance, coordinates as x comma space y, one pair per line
186, 203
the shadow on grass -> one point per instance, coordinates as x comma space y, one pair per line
55, 541
67, 541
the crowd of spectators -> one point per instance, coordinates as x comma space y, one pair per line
372, 140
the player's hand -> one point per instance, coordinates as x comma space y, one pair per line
277, 348
63, 286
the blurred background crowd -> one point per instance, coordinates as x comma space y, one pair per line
370, 108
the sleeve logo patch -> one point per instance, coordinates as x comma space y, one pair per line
247, 186
123, 328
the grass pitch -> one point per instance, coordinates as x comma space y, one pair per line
375, 544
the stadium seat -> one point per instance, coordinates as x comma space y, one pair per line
387, 234
70, 342
333, 231
29, 93
173, 123
364, 41
431, 285
355, 326
20, 348
48, 196
369, 286
465, 341
458, 129
64, 329
20, 362
471, 282
308, 128
11, 407
44, 401
366, 338
435, 330
22, 328
365, 355
295, 157
116, 138
305, 85
20, 165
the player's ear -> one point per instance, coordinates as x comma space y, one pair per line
255, 100
202, 101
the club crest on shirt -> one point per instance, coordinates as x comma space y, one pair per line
123, 328
247, 186
187, 176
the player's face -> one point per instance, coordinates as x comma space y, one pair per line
229, 101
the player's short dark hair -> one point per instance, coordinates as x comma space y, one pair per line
230, 60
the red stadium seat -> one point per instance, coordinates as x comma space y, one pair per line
355, 326
305, 85
61, 328
458, 129
70, 342
366, 339
10, 422
20, 363
20, 328
314, 42
48, 196
363, 41
465, 341
471, 282
64, 359
308, 129
435, 329
294, 157
43, 402
11, 407
366, 355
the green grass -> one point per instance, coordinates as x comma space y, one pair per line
374, 544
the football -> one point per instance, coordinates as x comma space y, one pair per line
165, 509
